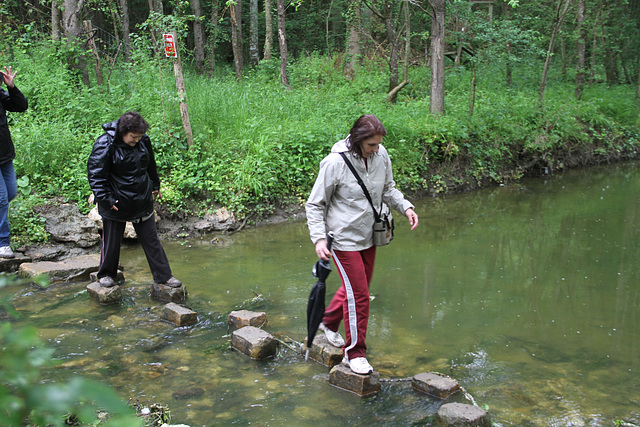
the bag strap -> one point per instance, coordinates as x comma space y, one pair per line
364, 188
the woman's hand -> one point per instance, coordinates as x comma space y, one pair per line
322, 251
8, 75
412, 217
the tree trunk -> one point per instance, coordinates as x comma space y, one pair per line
326, 28
561, 12
236, 36
437, 56
392, 38
182, 94
94, 50
213, 37
124, 5
72, 27
509, 67
55, 21
268, 38
353, 39
594, 44
282, 38
472, 95
198, 36
563, 54
581, 48
407, 39
254, 52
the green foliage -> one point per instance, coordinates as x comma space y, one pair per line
257, 144
26, 400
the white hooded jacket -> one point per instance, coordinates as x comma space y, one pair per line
338, 204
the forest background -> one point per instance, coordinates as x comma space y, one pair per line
472, 93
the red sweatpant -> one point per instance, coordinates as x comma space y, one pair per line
351, 301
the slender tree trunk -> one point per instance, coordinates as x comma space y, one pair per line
563, 54
236, 36
472, 96
268, 38
326, 27
213, 37
509, 67
282, 38
55, 21
254, 52
198, 36
594, 44
94, 50
392, 37
581, 48
182, 94
407, 39
354, 53
437, 56
560, 14
124, 5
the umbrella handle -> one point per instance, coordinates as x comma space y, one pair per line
329, 240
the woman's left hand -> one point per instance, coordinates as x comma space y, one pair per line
412, 216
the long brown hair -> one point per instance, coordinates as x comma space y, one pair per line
364, 128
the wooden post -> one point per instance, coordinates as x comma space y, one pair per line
182, 94
94, 50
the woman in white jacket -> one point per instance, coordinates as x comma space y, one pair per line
338, 204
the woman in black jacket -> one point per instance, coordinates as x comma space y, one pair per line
124, 179
10, 100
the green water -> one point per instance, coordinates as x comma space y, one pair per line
527, 294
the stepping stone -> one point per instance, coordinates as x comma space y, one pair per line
104, 295
68, 270
323, 352
363, 385
461, 415
241, 318
179, 314
437, 385
167, 293
12, 264
254, 342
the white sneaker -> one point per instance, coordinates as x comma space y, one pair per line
359, 365
6, 252
334, 338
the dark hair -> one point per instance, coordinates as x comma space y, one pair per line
132, 121
365, 127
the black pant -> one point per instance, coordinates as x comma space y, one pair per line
112, 232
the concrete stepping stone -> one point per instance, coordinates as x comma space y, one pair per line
68, 270
254, 342
179, 314
363, 385
104, 295
323, 352
167, 293
241, 318
462, 415
437, 385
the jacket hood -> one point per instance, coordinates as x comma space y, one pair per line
341, 146
111, 128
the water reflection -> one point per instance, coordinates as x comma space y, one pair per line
527, 294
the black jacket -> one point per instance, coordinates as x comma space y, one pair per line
123, 173
13, 100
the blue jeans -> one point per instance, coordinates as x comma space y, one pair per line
8, 191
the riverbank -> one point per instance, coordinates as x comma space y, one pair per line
454, 176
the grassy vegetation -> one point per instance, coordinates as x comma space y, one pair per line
258, 144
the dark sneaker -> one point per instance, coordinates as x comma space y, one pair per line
6, 252
106, 282
173, 282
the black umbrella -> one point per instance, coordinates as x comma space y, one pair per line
315, 306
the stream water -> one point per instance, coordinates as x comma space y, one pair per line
528, 294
